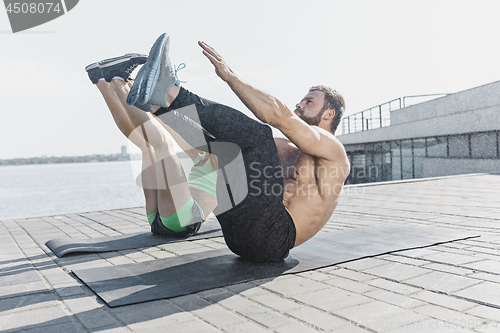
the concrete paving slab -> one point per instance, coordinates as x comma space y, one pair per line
150, 317
247, 327
491, 266
234, 302
486, 312
444, 282
27, 302
405, 260
292, 285
218, 316
397, 271
265, 317
485, 292
193, 326
332, 299
17, 290
276, 302
66, 327
349, 274
190, 302
453, 269
366, 263
20, 278
349, 285
394, 299
379, 316
452, 258
316, 319
296, 327
95, 319
31, 319
430, 326
454, 318
446, 301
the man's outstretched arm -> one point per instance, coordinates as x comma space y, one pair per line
265, 107
310, 139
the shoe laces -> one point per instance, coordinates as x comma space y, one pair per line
176, 69
130, 69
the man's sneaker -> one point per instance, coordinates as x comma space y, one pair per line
149, 73
166, 79
94, 72
155, 77
121, 66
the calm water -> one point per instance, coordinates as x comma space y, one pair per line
60, 188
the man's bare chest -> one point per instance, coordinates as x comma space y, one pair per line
297, 166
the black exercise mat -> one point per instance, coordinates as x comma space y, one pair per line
186, 274
63, 246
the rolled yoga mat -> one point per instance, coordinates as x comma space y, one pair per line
191, 273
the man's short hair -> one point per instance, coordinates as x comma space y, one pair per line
333, 100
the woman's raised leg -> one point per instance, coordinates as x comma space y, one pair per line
147, 179
172, 188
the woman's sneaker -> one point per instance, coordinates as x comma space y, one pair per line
94, 72
121, 66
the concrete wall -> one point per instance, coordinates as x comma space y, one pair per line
482, 97
473, 110
436, 167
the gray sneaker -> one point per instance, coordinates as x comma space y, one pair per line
121, 66
143, 106
94, 72
157, 76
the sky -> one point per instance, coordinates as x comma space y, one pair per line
370, 51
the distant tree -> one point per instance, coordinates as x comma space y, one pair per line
63, 159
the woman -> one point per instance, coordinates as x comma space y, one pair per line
176, 205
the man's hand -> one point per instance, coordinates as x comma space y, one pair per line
221, 67
264, 106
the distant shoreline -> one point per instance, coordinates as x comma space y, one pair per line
75, 159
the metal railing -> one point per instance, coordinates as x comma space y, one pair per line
420, 96
377, 116
374, 117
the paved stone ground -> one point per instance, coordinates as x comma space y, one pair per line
453, 287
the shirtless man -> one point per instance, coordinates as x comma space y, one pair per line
314, 164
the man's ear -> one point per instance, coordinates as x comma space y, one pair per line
329, 114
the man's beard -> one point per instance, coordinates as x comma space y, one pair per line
313, 121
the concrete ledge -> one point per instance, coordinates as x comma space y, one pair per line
436, 167
416, 180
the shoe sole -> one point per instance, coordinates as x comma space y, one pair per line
107, 63
92, 66
143, 86
134, 93
114, 61
143, 107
